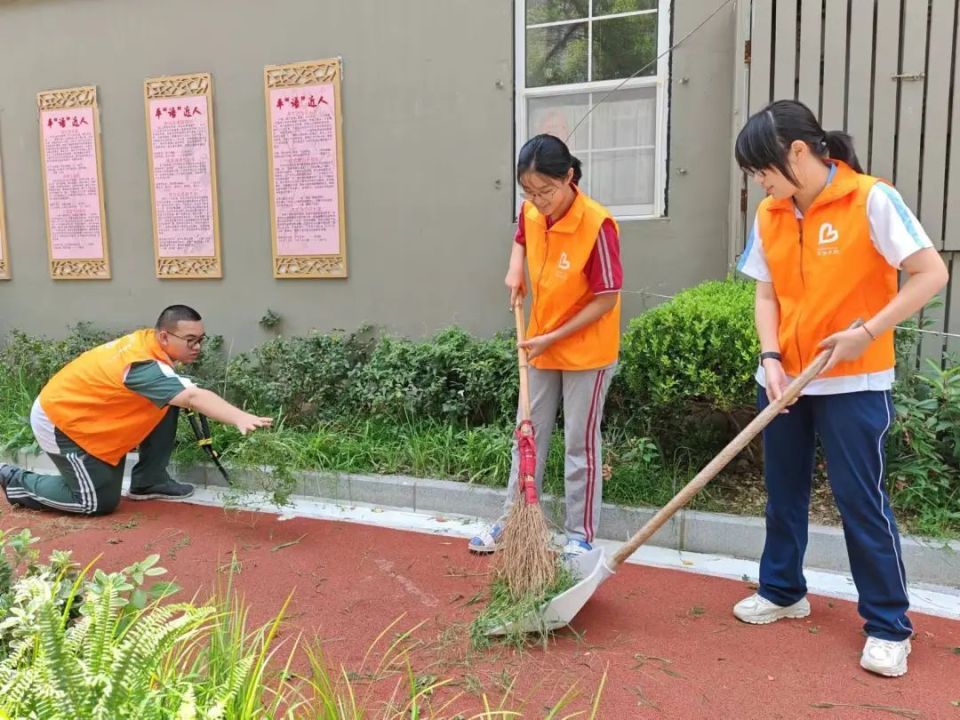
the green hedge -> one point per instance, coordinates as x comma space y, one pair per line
699, 347
452, 377
445, 405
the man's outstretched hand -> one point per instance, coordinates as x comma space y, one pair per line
250, 422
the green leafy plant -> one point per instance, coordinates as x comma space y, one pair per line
701, 346
271, 458
306, 379
26, 584
37, 358
924, 447
98, 667
270, 320
451, 377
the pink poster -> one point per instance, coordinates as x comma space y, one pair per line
73, 185
182, 190
306, 192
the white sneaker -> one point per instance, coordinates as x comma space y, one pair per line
885, 657
488, 541
757, 610
575, 548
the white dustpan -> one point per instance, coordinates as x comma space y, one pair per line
592, 568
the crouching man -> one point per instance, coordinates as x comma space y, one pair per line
114, 398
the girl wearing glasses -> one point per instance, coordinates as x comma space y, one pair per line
571, 248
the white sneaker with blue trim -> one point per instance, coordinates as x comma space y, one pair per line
575, 547
487, 541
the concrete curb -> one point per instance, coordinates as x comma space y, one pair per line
929, 561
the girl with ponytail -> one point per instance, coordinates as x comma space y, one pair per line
825, 249
571, 248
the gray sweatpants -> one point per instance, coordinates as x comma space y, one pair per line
583, 393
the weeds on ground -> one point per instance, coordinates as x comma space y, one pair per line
502, 611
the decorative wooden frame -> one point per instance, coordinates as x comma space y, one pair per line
298, 75
4, 248
184, 267
79, 268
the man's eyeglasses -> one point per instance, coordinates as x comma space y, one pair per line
192, 342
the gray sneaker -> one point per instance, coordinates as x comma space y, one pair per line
7, 474
168, 490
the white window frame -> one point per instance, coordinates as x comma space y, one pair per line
660, 81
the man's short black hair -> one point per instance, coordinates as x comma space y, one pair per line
174, 314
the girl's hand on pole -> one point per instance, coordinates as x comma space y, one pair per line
536, 345
515, 283
776, 380
847, 345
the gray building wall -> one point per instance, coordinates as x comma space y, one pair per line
428, 159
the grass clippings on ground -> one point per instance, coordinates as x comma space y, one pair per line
502, 611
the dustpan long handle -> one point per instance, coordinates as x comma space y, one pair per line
522, 362
722, 459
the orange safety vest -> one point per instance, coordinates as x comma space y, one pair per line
556, 259
88, 402
827, 273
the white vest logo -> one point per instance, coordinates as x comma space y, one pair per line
564, 263
828, 234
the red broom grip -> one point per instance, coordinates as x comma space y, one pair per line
529, 490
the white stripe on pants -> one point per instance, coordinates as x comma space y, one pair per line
583, 393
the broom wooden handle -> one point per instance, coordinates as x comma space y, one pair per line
522, 361
733, 449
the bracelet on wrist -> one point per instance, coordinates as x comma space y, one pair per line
770, 356
867, 331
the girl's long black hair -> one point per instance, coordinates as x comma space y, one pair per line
766, 138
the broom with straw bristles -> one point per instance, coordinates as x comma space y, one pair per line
527, 564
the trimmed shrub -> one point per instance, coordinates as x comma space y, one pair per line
699, 347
